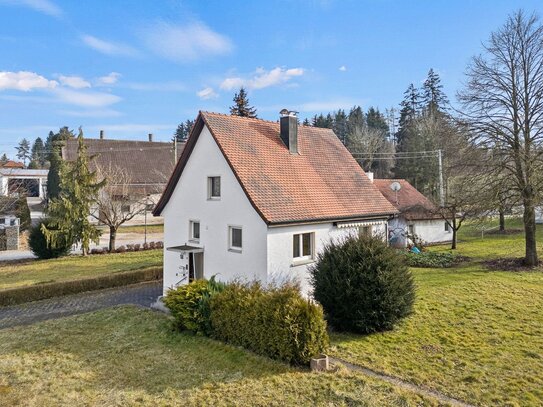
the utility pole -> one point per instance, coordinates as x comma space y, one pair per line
441, 191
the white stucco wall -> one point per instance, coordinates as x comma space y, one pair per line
281, 265
430, 231
189, 202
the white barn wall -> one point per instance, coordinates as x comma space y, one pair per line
432, 231
189, 201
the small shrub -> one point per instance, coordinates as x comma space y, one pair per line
145, 246
152, 245
38, 244
189, 305
120, 249
129, 247
96, 250
137, 247
432, 259
105, 249
363, 285
159, 245
276, 322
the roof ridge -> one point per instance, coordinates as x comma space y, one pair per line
260, 120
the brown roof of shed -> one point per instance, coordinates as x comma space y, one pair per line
408, 200
321, 183
149, 162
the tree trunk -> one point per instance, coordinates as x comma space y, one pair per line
454, 230
112, 238
502, 220
530, 258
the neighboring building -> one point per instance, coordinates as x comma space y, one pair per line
149, 164
15, 181
11, 164
255, 199
418, 215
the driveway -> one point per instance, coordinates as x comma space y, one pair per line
143, 294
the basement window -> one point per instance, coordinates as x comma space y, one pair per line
302, 246
214, 188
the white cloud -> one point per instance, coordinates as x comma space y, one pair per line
43, 6
85, 98
108, 47
207, 93
262, 78
185, 43
25, 81
75, 82
91, 113
110, 79
342, 68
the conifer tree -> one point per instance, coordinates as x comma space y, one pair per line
55, 143
183, 131
4, 159
241, 105
23, 150
433, 97
306, 122
38, 153
340, 125
68, 214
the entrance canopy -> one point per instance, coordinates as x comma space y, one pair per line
186, 249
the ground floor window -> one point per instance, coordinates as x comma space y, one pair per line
411, 229
366, 231
302, 246
447, 229
194, 230
235, 238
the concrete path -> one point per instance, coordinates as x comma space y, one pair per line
142, 294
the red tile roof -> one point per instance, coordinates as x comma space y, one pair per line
12, 164
321, 183
408, 200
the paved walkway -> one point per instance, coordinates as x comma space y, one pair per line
142, 294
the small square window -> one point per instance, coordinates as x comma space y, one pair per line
447, 228
213, 187
194, 230
235, 238
411, 229
125, 208
302, 246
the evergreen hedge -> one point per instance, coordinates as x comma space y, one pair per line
39, 246
363, 285
276, 322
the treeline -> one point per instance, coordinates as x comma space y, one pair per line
401, 143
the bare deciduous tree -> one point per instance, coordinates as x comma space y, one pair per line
503, 103
118, 201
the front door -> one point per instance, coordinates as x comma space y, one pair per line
196, 266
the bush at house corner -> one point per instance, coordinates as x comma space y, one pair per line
276, 322
363, 285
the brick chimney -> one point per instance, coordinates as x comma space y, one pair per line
288, 124
150, 136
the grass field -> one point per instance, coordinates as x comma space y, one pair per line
138, 229
132, 358
476, 334
74, 267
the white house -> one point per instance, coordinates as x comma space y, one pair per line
30, 182
418, 215
255, 199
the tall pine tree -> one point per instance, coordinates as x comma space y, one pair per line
68, 214
183, 131
23, 151
55, 143
38, 154
241, 105
433, 98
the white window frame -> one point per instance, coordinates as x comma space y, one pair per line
210, 196
232, 248
302, 258
191, 230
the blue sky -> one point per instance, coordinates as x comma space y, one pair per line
134, 67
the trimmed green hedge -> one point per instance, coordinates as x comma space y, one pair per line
48, 290
276, 322
363, 285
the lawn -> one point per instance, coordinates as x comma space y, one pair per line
475, 334
75, 267
133, 357
137, 229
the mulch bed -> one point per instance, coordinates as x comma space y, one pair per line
509, 264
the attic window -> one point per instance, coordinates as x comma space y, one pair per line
213, 187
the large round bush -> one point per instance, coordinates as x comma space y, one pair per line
363, 285
38, 244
